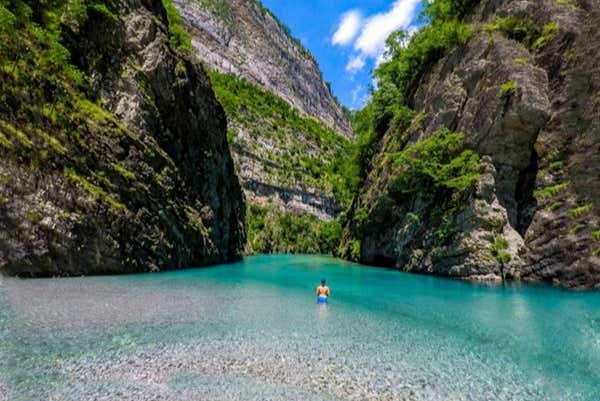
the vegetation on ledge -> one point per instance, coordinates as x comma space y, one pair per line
270, 230
303, 152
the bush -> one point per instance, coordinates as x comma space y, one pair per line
179, 38
523, 30
271, 230
439, 162
508, 89
551, 191
548, 32
580, 211
498, 250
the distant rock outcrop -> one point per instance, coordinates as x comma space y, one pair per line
285, 126
243, 38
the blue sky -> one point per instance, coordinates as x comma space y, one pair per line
346, 37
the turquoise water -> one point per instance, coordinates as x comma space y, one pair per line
253, 331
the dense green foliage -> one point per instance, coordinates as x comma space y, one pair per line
437, 172
408, 59
309, 148
438, 11
272, 231
47, 127
180, 39
437, 169
437, 163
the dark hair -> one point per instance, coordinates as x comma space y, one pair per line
323, 281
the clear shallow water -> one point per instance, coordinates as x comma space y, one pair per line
253, 331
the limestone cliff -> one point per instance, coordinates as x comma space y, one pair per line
524, 89
285, 127
114, 151
243, 38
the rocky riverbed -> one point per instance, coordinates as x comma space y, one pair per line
252, 331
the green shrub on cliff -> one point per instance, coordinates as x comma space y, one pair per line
179, 38
508, 89
551, 191
548, 32
522, 30
439, 162
580, 211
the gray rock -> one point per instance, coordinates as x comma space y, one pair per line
239, 37
539, 182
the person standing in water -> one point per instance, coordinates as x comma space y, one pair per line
322, 292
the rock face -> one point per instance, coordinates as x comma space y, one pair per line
280, 156
125, 170
243, 38
242, 41
533, 114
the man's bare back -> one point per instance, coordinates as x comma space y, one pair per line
323, 293
323, 290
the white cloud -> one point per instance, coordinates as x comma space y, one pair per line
370, 43
348, 28
355, 63
359, 96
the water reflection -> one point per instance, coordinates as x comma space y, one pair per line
322, 311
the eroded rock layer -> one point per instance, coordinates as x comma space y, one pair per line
243, 38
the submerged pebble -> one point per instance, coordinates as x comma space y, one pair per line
253, 332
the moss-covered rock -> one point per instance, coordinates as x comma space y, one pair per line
114, 154
523, 88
